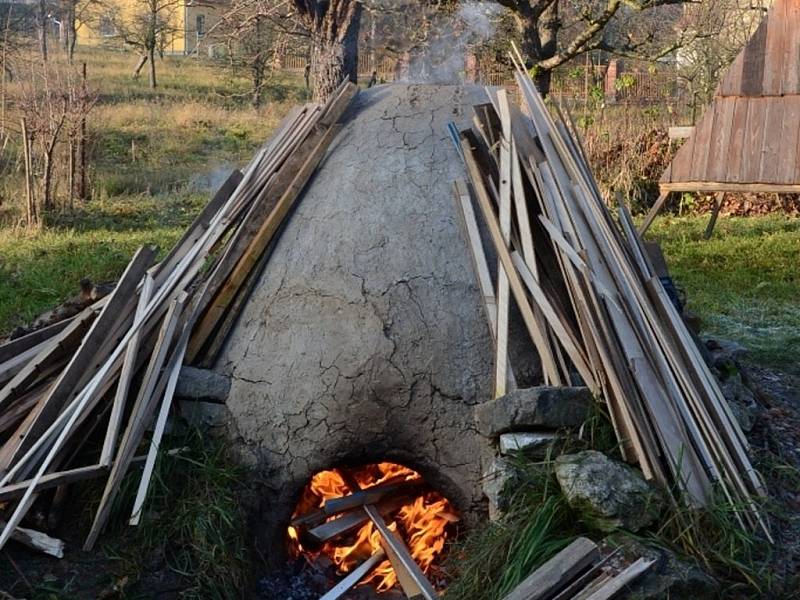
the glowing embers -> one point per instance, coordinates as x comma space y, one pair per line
330, 519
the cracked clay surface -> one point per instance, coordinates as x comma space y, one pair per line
366, 338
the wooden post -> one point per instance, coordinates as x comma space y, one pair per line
718, 198
32, 217
82, 158
648, 220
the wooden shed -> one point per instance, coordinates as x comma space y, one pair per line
748, 138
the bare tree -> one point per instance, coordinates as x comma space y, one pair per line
148, 26
702, 62
554, 32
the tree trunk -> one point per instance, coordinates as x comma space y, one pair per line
137, 70
334, 54
152, 59
43, 28
71, 32
540, 43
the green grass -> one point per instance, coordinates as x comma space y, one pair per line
40, 269
156, 156
744, 282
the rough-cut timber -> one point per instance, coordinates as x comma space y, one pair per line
748, 139
366, 338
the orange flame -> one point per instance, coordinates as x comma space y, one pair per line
422, 523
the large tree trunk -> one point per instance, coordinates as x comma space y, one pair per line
540, 43
334, 55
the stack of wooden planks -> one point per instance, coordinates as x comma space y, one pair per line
109, 373
579, 572
593, 305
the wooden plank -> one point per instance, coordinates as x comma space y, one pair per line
352, 520
734, 188
477, 253
774, 54
140, 416
503, 291
791, 64
117, 310
680, 133
788, 159
269, 227
703, 140
753, 67
754, 140
56, 349
10, 368
292, 179
731, 83
399, 550
126, 375
619, 581
718, 164
355, 576
172, 371
405, 578
718, 198
557, 572
773, 132
17, 346
52, 480
736, 142
200, 225
680, 167
653, 213
37, 540
508, 265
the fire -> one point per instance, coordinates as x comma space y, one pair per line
422, 523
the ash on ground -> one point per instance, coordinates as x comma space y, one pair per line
304, 579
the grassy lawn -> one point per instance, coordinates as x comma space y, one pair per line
157, 155
744, 282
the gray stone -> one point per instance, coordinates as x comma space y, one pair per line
607, 494
202, 384
741, 399
539, 407
670, 578
530, 444
499, 476
210, 417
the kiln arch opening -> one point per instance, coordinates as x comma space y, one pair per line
335, 526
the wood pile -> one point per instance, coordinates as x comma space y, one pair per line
593, 304
109, 373
579, 572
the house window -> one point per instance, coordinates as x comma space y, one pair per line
201, 25
107, 28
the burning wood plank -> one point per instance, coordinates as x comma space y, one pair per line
355, 576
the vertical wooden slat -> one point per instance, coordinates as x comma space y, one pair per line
791, 65
731, 84
773, 130
702, 144
753, 68
787, 162
736, 144
720, 141
774, 58
754, 140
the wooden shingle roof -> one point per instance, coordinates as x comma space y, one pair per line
748, 139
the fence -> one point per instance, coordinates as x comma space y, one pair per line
368, 63
611, 82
